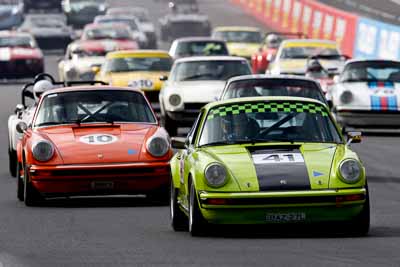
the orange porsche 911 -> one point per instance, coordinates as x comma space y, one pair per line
96, 140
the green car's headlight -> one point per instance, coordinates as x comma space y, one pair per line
215, 175
350, 171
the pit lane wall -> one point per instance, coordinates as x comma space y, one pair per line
312, 18
358, 37
376, 39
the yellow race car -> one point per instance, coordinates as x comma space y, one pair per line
241, 41
293, 55
139, 69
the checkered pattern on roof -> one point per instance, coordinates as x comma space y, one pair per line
234, 109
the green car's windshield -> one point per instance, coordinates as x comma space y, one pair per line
93, 107
268, 122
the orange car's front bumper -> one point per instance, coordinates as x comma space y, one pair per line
130, 178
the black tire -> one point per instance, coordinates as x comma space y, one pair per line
20, 184
361, 224
179, 220
197, 224
12, 162
31, 196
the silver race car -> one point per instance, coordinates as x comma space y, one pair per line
367, 93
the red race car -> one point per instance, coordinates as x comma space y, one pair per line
107, 37
20, 56
93, 140
261, 60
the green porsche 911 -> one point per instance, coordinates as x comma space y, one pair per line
267, 160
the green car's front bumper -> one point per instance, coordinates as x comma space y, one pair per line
282, 207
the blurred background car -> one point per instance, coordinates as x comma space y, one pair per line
293, 54
140, 69
50, 30
266, 85
173, 26
11, 14
197, 46
241, 41
132, 22
20, 56
145, 23
367, 94
194, 82
43, 5
81, 12
268, 49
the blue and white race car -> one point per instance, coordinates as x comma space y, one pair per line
367, 93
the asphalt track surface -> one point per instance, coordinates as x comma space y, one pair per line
382, 10
133, 232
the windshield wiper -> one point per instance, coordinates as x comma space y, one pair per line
50, 123
219, 143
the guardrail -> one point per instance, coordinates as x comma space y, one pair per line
357, 36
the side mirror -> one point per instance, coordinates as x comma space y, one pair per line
354, 137
163, 78
21, 127
96, 69
178, 142
19, 108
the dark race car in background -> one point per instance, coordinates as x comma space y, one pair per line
175, 26
50, 30
11, 14
145, 23
42, 5
20, 56
82, 12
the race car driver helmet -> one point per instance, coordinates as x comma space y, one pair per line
238, 127
314, 66
40, 87
273, 41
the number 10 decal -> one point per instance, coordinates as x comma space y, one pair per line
277, 158
98, 139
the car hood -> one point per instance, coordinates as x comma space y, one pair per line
84, 4
120, 144
86, 63
198, 91
278, 166
13, 53
143, 80
243, 49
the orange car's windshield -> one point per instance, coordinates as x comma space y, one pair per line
93, 107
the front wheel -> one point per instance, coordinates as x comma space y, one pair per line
360, 225
179, 220
31, 196
12, 162
197, 224
20, 183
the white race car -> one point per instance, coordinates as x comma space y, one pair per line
367, 93
194, 82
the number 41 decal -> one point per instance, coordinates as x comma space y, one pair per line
277, 158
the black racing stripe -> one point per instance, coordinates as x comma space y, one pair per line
280, 168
